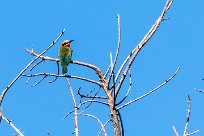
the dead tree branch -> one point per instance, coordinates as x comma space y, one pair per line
85, 102
75, 109
94, 117
118, 49
128, 92
104, 126
13, 126
39, 81
192, 133
57, 73
175, 131
185, 133
201, 91
92, 98
68, 76
165, 82
30, 63
91, 101
131, 57
188, 116
95, 68
36, 64
88, 95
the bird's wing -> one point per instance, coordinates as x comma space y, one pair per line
65, 55
68, 56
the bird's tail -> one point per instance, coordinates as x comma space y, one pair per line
64, 69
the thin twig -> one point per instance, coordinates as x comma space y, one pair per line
13, 126
138, 48
75, 108
165, 82
69, 76
87, 93
118, 48
42, 57
193, 133
175, 131
95, 97
86, 79
201, 91
188, 116
106, 73
57, 73
94, 117
104, 126
185, 133
27, 80
84, 102
128, 92
36, 64
30, 63
91, 99
39, 81
69, 113
88, 96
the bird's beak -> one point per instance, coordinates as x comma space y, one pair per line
71, 41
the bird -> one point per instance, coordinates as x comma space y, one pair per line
65, 54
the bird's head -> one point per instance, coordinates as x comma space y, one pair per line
66, 43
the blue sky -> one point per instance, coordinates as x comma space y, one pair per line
93, 25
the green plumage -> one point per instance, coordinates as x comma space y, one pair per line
65, 55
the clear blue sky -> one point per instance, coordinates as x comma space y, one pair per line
93, 25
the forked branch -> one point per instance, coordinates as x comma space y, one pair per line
28, 65
83, 103
95, 68
131, 57
185, 133
139, 98
104, 126
128, 92
94, 117
56, 75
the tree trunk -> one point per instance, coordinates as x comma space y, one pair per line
113, 113
115, 122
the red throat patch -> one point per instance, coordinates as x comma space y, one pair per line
68, 45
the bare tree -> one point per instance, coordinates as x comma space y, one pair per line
110, 82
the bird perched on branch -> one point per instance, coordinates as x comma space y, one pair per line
65, 55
